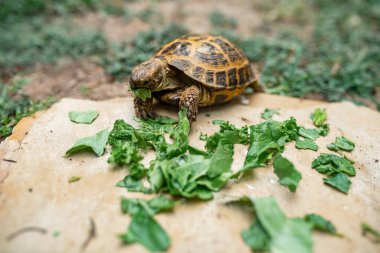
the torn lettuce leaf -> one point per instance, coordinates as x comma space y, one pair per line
289, 176
287, 234
144, 229
96, 144
339, 181
268, 113
319, 117
86, 117
320, 223
272, 231
144, 94
256, 237
266, 140
180, 136
153, 206
310, 133
133, 185
306, 144
341, 143
330, 164
239, 135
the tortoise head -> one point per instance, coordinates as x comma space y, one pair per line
148, 75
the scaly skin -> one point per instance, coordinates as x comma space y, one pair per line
190, 100
144, 109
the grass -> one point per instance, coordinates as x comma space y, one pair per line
338, 61
123, 57
15, 104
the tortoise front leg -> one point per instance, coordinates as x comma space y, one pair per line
189, 99
144, 109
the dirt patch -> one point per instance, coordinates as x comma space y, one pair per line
79, 79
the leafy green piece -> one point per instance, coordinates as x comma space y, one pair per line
86, 117
267, 139
144, 94
180, 136
133, 185
286, 172
374, 234
74, 179
330, 164
323, 130
319, 117
339, 181
256, 237
320, 223
94, 143
272, 231
152, 206
221, 160
239, 135
144, 229
341, 143
306, 144
310, 133
287, 235
268, 113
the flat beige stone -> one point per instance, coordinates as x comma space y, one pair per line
34, 190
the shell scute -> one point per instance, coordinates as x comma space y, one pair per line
210, 60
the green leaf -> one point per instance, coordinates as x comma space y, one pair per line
94, 143
267, 139
319, 117
330, 164
152, 206
286, 172
256, 237
309, 133
295, 236
320, 223
287, 235
268, 113
180, 136
339, 181
323, 130
144, 94
133, 185
306, 144
341, 143
83, 117
370, 232
144, 229
221, 160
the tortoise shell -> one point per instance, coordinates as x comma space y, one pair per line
211, 60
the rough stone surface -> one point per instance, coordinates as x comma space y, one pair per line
34, 190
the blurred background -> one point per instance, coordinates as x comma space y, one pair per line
318, 49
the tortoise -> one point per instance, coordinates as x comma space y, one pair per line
190, 72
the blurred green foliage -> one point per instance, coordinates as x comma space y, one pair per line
340, 59
24, 44
15, 104
123, 57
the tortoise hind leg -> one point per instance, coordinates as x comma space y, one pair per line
144, 109
190, 99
